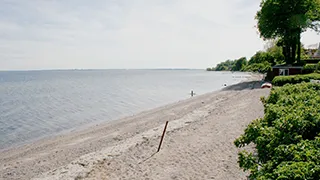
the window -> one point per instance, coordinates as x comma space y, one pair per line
283, 72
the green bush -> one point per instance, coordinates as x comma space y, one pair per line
301, 63
258, 67
230, 65
287, 138
261, 57
310, 67
294, 79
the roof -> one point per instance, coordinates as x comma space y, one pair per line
312, 60
281, 66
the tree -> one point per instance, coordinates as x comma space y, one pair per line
239, 64
286, 20
275, 51
261, 57
224, 66
263, 67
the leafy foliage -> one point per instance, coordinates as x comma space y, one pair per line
294, 79
261, 57
259, 62
276, 53
286, 20
230, 65
278, 18
239, 64
310, 67
287, 138
224, 66
258, 67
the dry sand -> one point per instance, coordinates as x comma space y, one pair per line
198, 143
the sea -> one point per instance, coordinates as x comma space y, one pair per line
39, 104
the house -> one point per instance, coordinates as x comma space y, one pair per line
312, 51
286, 70
317, 53
315, 57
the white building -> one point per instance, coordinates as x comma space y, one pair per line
317, 53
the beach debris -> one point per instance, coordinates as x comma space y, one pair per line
266, 85
164, 131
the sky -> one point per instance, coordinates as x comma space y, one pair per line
127, 34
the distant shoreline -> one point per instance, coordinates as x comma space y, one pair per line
79, 69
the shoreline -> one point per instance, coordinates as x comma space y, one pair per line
77, 153
246, 77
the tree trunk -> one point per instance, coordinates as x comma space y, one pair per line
299, 49
294, 51
288, 53
299, 53
284, 52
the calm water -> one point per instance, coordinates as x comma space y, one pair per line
36, 104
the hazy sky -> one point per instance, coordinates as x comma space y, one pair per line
68, 34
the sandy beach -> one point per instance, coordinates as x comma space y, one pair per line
198, 143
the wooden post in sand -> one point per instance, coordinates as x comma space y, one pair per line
164, 131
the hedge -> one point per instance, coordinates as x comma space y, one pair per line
310, 67
287, 138
294, 79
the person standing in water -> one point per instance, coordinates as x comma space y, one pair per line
192, 93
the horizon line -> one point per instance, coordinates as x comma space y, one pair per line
93, 69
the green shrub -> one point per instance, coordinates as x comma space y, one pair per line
287, 138
310, 67
258, 67
301, 63
294, 79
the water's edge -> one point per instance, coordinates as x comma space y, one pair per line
122, 114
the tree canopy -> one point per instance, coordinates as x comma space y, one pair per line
230, 65
286, 20
239, 64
